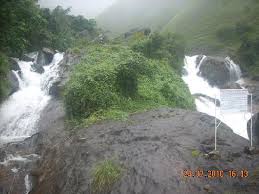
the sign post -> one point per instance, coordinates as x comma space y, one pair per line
233, 101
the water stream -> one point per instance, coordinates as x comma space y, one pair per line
20, 113
197, 85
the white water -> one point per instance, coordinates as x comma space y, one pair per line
197, 85
28, 184
20, 113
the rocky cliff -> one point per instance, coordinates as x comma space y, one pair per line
154, 149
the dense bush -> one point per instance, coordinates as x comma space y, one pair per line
226, 33
119, 79
3, 76
168, 47
248, 55
25, 27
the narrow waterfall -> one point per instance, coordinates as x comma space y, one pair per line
197, 85
21, 111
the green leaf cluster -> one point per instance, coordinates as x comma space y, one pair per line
169, 47
4, 69
25, 27
113, 79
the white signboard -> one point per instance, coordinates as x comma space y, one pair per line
234, 100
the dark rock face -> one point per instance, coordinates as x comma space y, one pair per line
199, 58
253, 88
200, 96
37, 68
255, 129
14, 83
45, 56
41, 60
154, 148
27, 58
218, 72
49, 54
14, 64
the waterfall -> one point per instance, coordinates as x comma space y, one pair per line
20, 113
234, 69
197, 85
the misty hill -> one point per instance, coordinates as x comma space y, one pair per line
203, 23
125, 15
211, 27
197, 20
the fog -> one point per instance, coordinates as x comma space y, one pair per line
87, 8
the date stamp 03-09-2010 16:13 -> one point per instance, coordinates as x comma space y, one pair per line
213, 174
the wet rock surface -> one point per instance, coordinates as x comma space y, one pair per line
14, 64
217, 71
255, 129
14, 83
27, 58
45, 56
37, 68
154, 148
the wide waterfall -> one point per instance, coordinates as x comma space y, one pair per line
20, 113
205, 103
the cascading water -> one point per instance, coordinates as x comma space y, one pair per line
204, 103
19, 114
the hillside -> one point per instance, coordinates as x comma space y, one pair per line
200, 22
218, 27
128, 14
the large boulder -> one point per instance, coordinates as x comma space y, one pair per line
27, 58
45, 56
37, 68
219, 72
14, 82
255, 129
14, 64
153, 148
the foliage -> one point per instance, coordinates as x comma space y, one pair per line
25, 27
113, 81
169, 47
4, 68
226, 33
196, 153
105, 175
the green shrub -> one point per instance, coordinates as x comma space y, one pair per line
226, 33
170, 47
4, 69
105, 175
113, 81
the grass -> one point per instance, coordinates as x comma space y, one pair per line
105, 175
195, 153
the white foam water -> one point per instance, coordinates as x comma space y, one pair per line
197, 85
21, 111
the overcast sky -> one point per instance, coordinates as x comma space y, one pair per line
87, 8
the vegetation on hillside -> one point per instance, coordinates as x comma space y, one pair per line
218, 27
169, 47
113, 81
3, 76
25, 27
126, 15
221, 27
